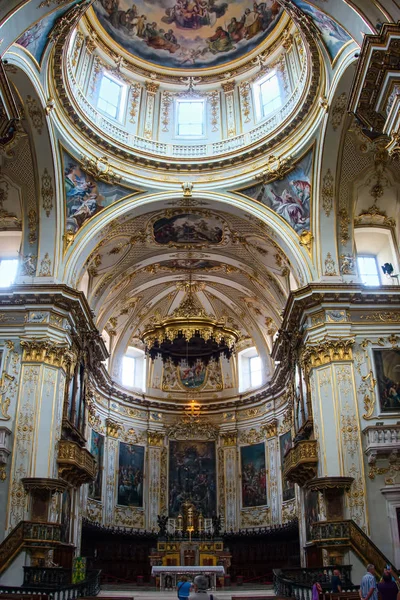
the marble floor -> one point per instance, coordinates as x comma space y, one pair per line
139, 593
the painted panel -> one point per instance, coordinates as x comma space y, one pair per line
192, 377
188, 229
86, 196
333, 35
310, 510
289, 197
285, 443
130, 475
387, 368
97, 449
183, 33
35, 39
254, 475
192, 476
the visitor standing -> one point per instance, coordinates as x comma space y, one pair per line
336, 582
183, 588
316, 590
200, 589
368, 589
387, 588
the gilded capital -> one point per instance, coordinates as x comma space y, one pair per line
327, 351
155, 438
271, 428
113, 428
42, 351
229, 438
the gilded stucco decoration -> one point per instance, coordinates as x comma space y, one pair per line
47, 192
35, 113
327, 192
192, 429
327, 351
255, 517
94, 510
129, 517
338, 110
45, 266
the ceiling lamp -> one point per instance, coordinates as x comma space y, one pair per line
189, 334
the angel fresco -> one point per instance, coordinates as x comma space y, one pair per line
163, 30
289, 197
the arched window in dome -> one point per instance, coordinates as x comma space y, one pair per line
268, 95
190, 117
134, 369
111, 96
377, 259
250, 369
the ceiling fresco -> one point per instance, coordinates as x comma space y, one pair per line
289, 197
186, 33
237, 272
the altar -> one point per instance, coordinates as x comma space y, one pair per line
162, 573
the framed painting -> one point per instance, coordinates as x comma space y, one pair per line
192, 476
97, 449
188, 229
254, 475
387, 369
285, 443
130, 475
310, 510
192, 377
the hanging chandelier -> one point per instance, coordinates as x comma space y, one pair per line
189, 334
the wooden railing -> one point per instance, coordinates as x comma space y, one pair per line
89, 587
28, 534
297, 583
348, 533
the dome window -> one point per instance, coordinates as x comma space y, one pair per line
8, 272
250, 370
190, 118
368, 268
268, 95
134, 369
111, 97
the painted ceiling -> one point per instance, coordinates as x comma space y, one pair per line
186, 33
238, 274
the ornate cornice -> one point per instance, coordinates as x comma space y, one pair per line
319, 484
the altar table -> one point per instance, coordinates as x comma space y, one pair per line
190, 572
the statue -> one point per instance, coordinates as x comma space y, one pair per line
162, 521
217, 525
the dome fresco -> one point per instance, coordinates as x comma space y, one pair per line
187, 33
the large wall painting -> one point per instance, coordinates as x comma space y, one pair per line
188, 229
387, 368
192, 476
85, 195
36, 38
289, 197
333, 35
97, 449
183, 33
285, 443
310, 510
254, 475
130, 475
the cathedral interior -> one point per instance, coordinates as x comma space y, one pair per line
199, 292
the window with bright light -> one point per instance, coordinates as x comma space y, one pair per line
255, 371
128, 371
190, 118
270, 94
368, 269
134, 369
8, 272
250, 369
110, 96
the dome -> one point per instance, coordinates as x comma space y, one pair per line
182, 34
